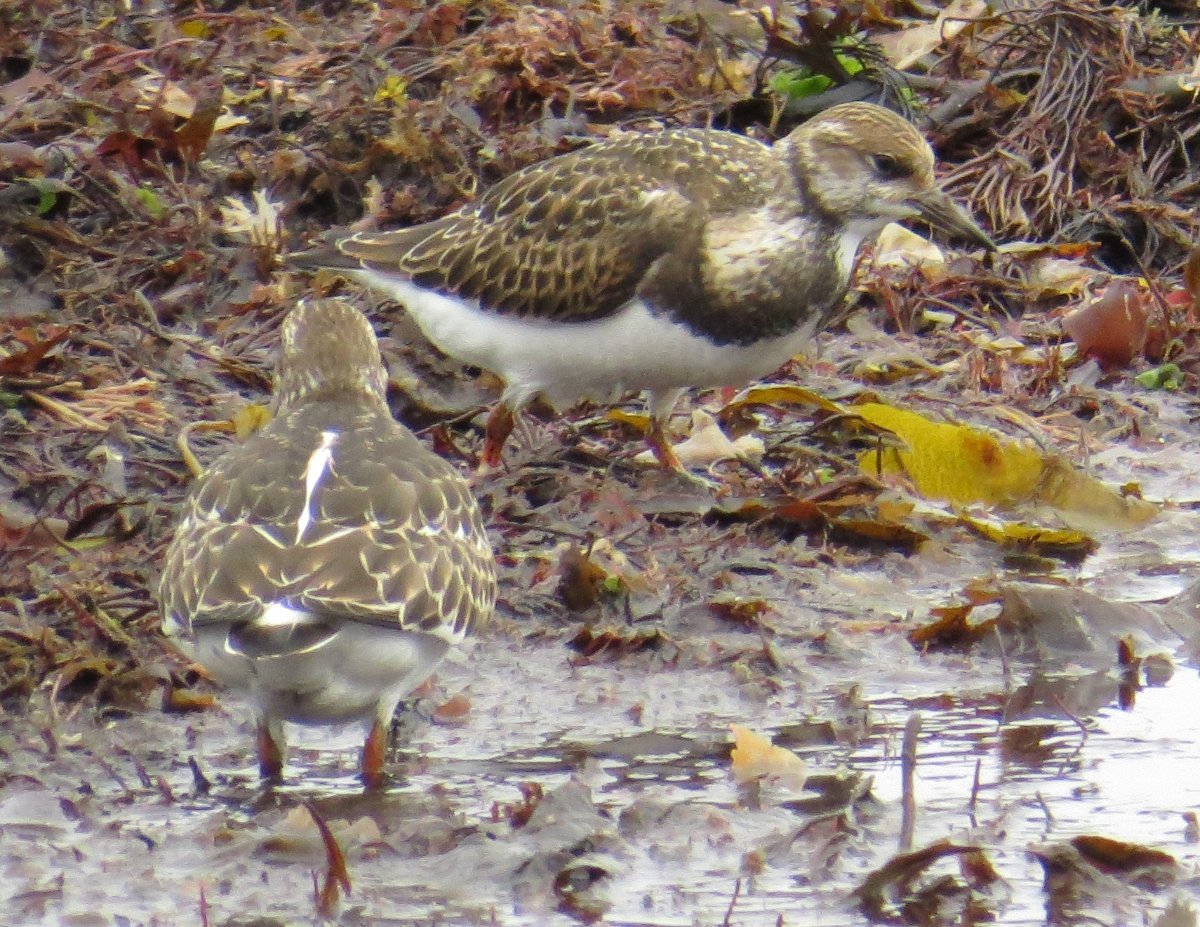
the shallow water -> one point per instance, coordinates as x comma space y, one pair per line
655, 820
641, 821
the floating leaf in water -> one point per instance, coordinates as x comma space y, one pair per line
754, 758
952, 627
953, 462
1063, 543
909, 881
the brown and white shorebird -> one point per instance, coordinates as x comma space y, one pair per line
326, 565
681, 258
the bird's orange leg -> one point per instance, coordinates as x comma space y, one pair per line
499, 426
660, 445
373, 752
270, 754
660, 404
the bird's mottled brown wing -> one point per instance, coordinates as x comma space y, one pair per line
572, 238
391, 534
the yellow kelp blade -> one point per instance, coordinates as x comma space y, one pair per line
966, 466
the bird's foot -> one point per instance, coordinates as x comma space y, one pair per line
270, 755
660, 446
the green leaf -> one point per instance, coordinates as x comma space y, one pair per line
47, 198
612, 585
800, 83
150, 202
1168, 376
851, 63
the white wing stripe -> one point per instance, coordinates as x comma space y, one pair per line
318, 466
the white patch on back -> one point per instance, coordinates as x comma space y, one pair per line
633, 349
281, 615
314, 472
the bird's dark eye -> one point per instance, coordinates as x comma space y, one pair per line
889, 167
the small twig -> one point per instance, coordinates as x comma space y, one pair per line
1083, 732
200, 782
737, 890
203, 907
1005, 668
1045, 808
908, 769
975, 790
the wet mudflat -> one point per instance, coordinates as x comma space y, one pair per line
580, 786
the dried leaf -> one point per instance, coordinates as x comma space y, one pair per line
754, 758
90, 517
953, 629
453, 710
707, 445
893, 883
738, 610
1054, 542
780, 396
518, 814
615, 644
336, 874
874, 531
579, 582
901, 247
1118, 856
134, 150
180, 701
1191, 279
906, 47
23, 363
803, 512
1114, 327
191, 139
1054, 277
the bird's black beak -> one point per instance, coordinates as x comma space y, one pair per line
949, 219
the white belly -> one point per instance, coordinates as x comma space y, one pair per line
601, 359
349, 677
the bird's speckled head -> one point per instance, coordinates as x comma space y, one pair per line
327, 349
865, 165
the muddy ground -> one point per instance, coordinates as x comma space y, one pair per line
574, 763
